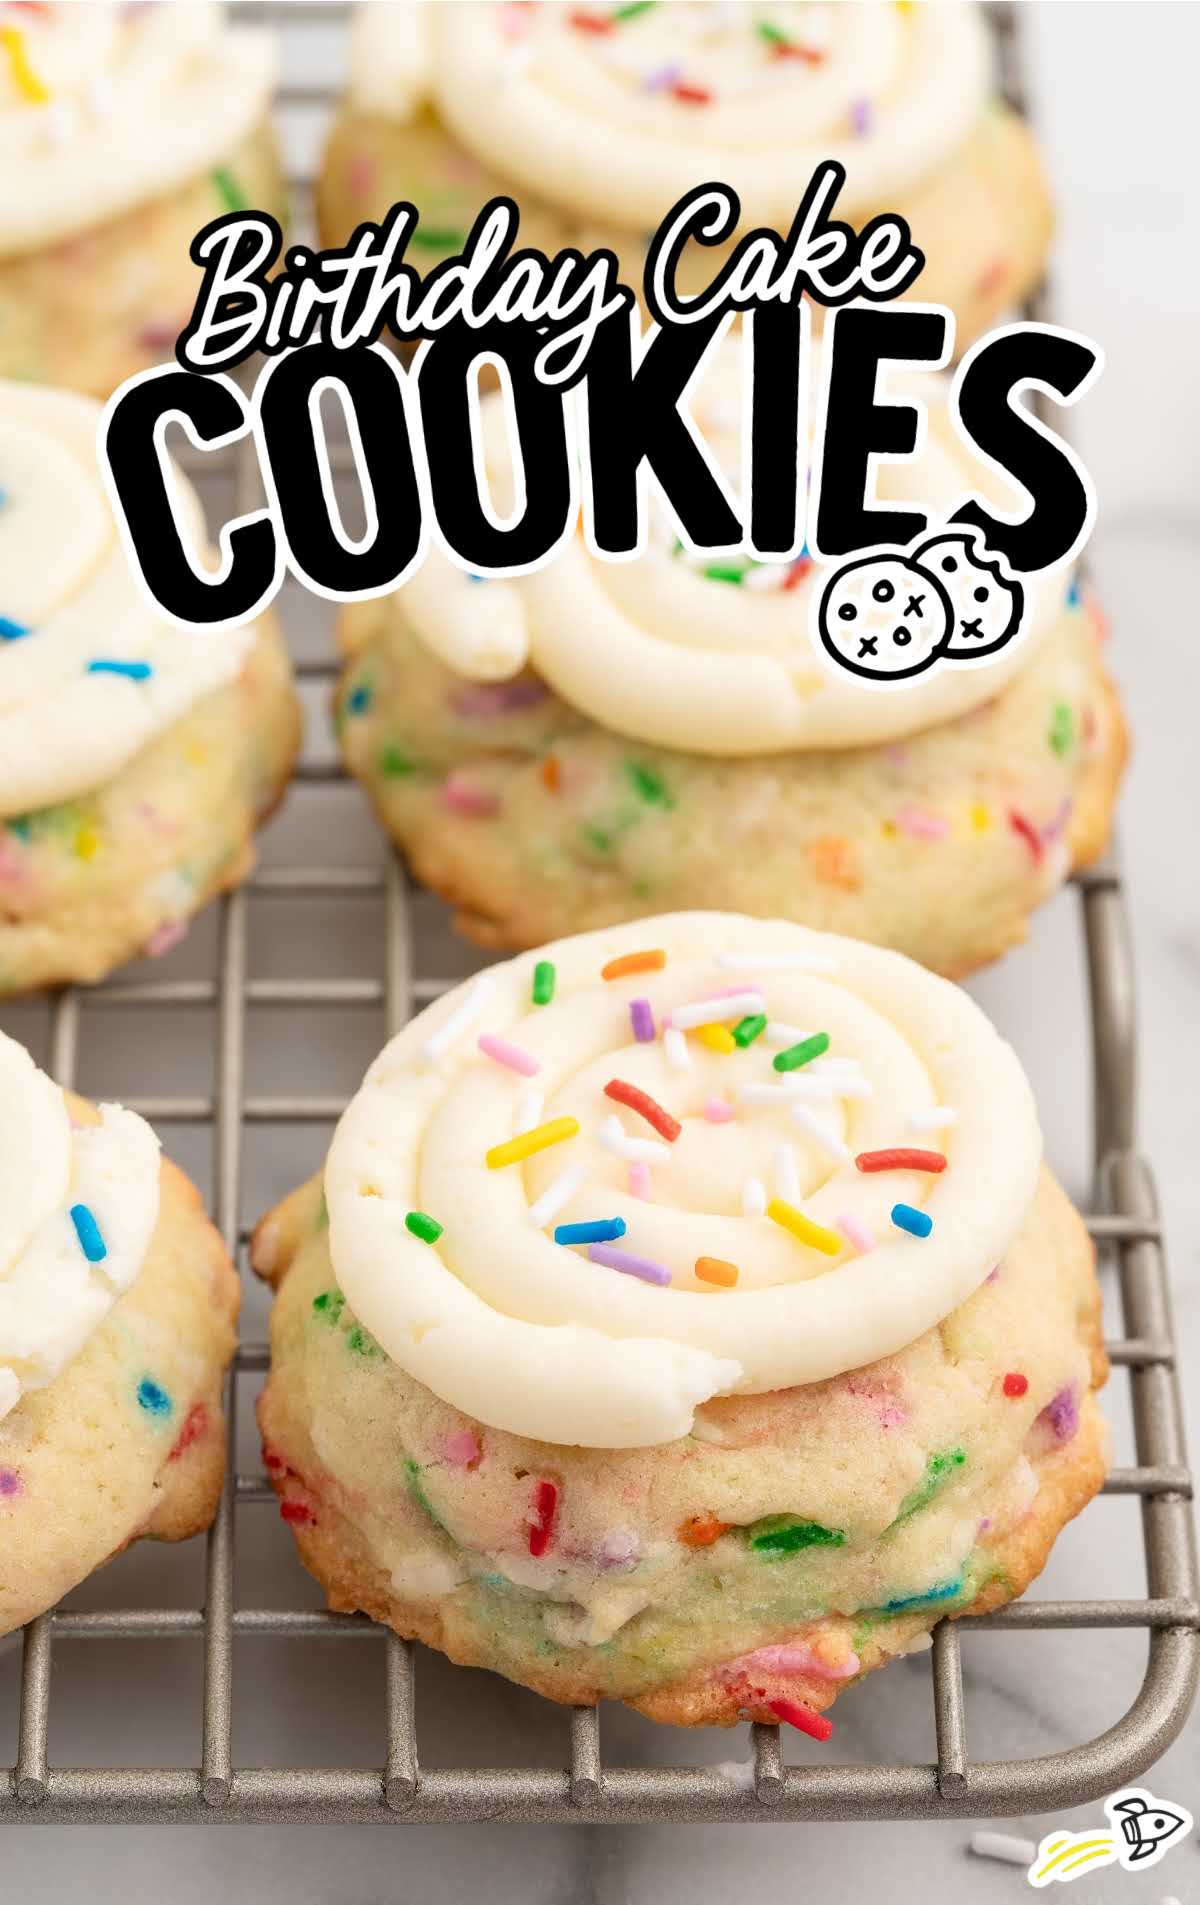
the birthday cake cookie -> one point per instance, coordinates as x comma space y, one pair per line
597, 119
684, 1315
136, 757
600, 740
123, 130
117, 1307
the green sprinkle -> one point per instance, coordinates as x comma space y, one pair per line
394, 762
797, 1055
426, 1228
945, 1591
650, 785
770, 33
788, 1534
598, 838
435, 239
360, 1342
748, 1029
228, 190
725, 572
938, 1469
1062, 729
323, 1213
631, 9
544, 977
329, 1305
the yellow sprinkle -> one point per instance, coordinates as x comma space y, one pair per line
87, 842
981, 818
195, 755
889, 830
25, 79
803, 1227
539, 1139
718, 1038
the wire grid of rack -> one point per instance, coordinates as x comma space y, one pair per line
588, 1789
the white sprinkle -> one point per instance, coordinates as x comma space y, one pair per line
763, 577
675, 1050
1003, 1845
754, 1198
530, 1106
615, 1138
734, 1005
555, 1196
935, 1119
787, 1177
778, 962
779, 1033
827, 1140
463, 1015
816, 1091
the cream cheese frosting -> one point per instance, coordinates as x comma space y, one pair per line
89, 675
105, 107
711, 656
78, 1205
538, 1337
613, 114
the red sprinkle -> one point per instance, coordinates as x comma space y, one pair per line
1015, 1384
645, 1106
195, 1424
545, 1507
591, 22
900, 1159
692, 95
797, 573
803, 1718
788, 50
1026, 831
295, 1511
271, 1460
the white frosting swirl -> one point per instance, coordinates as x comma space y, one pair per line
51, 1296
526, 1334
618, 122
68, 719
659, 651
105, 107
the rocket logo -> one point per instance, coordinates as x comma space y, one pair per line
1142, 1830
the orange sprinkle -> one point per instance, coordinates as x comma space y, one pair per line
633, 962
552, 773
700, 1531
716, 1270
834, 862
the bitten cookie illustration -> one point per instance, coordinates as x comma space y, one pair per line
885, 617
987, 602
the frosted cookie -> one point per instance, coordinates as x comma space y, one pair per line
601, 740
136, 758
117, 1307
597, 119
684, 1316
123, 130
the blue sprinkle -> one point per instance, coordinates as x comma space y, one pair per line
87, 1230
1074, 594
917, 1223
11, 631
605, 1230
131, 670
152, 1398
358, 700
949, 1591
471, 577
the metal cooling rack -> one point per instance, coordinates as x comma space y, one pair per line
589, 1789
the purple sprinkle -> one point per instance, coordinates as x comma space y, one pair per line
627, 1265
860, 118
10, 1483
662, 78
1061, 1415
1058, 825
992, 1274
486, 698
643, 1021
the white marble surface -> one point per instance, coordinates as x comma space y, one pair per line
1124, 159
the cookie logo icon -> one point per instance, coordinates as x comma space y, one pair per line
885, 617
987, 603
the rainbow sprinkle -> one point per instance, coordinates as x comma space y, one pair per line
462, 1016
629, 1266
87, 1230
634, 1099
153, 1398
423, 1226
718, 1038
748, 1029
545, 1507
544, 980
130, 670
734, 1004
855, 1233
717, 1271
801, 1054
827, 1241
555, 1196
917, 1223
901, 1159
25, 79
634, 962
513, 1057
11, 631
641, 1016
602, 1230
515, 1150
